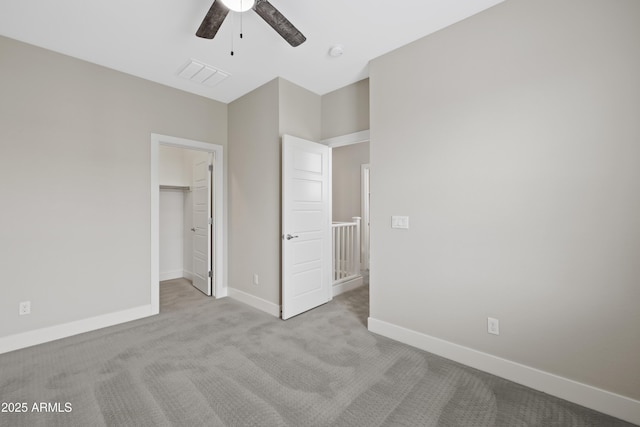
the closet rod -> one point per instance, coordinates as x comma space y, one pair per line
174, 187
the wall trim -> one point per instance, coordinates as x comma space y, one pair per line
52, 333
347, 286
254, 301
170, 275
600, 400
349, 139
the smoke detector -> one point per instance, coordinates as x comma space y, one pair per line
336, 50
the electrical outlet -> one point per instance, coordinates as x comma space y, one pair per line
255, 279
24, 308
493, 326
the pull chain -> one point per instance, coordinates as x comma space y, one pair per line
241, 13
232, 33
241, 28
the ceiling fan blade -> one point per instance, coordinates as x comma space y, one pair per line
213, 20
279, 23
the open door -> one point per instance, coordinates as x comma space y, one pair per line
202, 225
306, 225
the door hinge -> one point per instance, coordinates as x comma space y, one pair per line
210, 221
210, 168
210, 273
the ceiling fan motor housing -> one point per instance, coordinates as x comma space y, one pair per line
239, 5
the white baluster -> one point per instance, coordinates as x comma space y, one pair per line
346, 250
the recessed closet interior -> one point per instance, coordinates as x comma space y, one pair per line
175, 176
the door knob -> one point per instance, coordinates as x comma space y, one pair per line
289, 237
193, 229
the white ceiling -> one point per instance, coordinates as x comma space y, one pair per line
154, 39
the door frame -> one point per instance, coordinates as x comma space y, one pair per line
365, 190
348, 139
220, 290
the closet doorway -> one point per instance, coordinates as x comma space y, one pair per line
187, 220
186, 228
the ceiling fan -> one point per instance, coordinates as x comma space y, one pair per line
220, 8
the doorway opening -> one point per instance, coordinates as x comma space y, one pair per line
185, 178
200, 155
350, 209
321, 184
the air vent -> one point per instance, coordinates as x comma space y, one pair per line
202, 73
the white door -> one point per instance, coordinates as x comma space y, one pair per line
202, 225
306, 225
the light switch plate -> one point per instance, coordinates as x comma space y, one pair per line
399, 222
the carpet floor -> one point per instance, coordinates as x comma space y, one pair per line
221, 363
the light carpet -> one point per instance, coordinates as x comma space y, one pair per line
212, 362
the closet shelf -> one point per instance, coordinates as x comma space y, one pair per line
174, 187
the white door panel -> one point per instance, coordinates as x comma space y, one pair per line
202, 227
306, 225
307, 281
307, 251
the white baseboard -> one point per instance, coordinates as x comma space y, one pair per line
170, 275
52, 333
603, 401
255, 302
347, 286
187, 275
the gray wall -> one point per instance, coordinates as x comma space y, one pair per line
75, 177
257, 121
254, 193
511, 140
346, 110
347, 197
300, 112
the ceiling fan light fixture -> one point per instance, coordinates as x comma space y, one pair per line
239, 5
